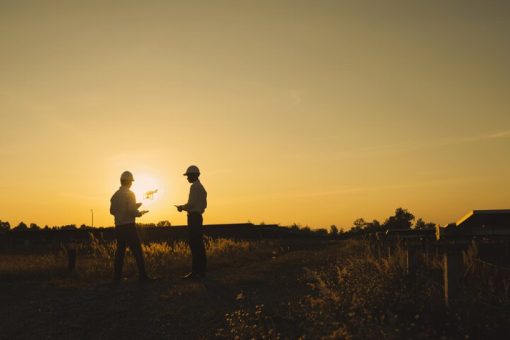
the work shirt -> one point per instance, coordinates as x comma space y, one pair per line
123, 206
197, 201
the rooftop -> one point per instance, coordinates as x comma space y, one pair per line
486, 218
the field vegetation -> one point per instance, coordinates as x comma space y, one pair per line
268, 289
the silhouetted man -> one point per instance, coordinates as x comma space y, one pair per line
125, 209
197, 203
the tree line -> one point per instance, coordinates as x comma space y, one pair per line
401, 220
22, 226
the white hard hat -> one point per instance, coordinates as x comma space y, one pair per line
192, 169
127, 176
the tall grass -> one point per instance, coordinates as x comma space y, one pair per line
363, 296
485, 281
95, 258
351, 294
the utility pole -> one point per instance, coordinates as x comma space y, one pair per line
92, 213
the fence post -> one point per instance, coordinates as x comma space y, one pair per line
411, 258
393, 246
453, 266
375, 245
390, 248
378, 249
71, 257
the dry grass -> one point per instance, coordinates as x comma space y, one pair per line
360, 296
95, 258
259, 290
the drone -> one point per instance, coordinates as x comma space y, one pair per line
150, 194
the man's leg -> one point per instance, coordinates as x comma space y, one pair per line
196, 242
136, 248
193, 243
120, 251
202, 260
201, 257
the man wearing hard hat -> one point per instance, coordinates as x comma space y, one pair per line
125, 209
197, 203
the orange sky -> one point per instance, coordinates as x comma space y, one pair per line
308, 112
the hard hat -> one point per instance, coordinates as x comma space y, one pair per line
127, 176
192, 169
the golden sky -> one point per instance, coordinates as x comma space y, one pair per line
308, 112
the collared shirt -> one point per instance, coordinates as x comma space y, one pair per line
123, 206
197, 201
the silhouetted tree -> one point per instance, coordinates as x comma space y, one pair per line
373, 226
21, 227
421, 224
164, 223
333, 230
358, 225
321, 231
34, 226
5, 226
69, 227
402, 219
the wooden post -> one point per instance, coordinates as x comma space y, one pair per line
427, 251
411, 259
453, 266
392, 245
375, 245
390, 248
71, 257
377, 248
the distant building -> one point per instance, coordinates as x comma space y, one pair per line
482, 223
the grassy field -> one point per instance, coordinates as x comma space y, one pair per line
255, 289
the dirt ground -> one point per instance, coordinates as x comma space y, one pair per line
65, 307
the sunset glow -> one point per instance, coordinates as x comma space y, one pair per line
314, 113
144, 185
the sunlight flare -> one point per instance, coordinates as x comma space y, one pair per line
147, 189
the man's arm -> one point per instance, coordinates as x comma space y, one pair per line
114, 205
192, 199
133, 206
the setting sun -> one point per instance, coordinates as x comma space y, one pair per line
157, 195
311, 114
147, 189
